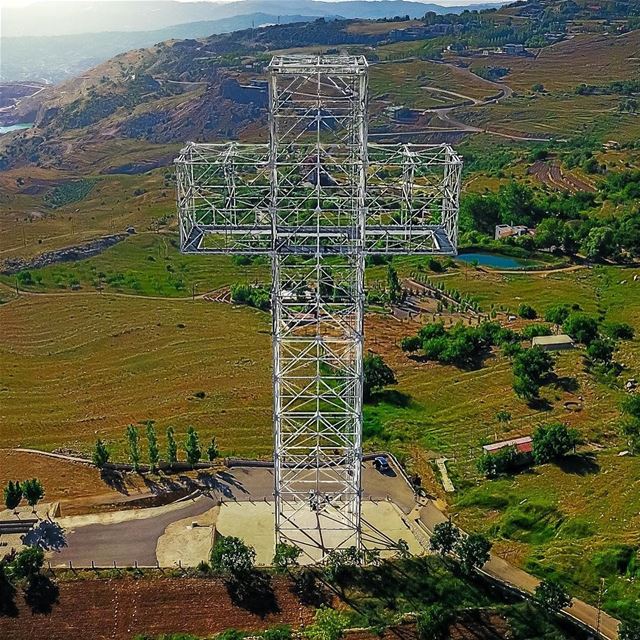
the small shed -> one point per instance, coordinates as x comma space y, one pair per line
522, 445
561, 342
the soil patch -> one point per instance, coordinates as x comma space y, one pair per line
118, 609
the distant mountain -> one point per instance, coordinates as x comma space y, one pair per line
54, 58
62, 18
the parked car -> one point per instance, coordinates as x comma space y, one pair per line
381, 464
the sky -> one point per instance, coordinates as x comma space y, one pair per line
444, 3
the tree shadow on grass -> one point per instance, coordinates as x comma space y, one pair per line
394, 398
540, 404
254, 593
568, 384
582, 464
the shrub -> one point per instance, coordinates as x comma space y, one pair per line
533, 330
619, 331
553, 441
506, 460
433, 623
444, 538
232, 556
581, 327
329, 625
527, 311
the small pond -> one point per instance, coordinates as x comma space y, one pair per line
494, 260
15, 127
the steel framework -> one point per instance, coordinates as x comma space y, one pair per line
317, 198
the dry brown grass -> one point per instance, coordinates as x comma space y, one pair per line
78, 367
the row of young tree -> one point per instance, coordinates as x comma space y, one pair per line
31, 490
191, 446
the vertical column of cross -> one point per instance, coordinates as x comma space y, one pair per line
318, 162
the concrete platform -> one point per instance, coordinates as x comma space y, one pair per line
383, 524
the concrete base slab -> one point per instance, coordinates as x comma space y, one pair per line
383, 525
187, 542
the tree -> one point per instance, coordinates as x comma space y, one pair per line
393, 284
27, 563
377, 375
551, 596
172, 447
473, 551
212, 450
286, 556
631, 425
600, 350
503, 417
12, 495
152, 443
410, 344
433, 623
444, 538
553, 441
600, 243
503, 461
534, 364
629, 631
33, 492
581, 327
341, 563
557, 313
133, 440
329, 625
527, 311
232, 556
100, 455
526, 388
192, 447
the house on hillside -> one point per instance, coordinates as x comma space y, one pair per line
514, 49
521, 445
561, 342
509, 230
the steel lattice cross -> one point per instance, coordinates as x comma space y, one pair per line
318, 199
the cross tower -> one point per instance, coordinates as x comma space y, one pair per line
318, 199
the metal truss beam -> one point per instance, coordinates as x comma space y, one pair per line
317, 199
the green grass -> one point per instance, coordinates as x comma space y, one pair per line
145, 264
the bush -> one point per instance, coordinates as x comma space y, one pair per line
581, 327
557, 313
410, 344
329, 625
553, 441
534, 330
433, 623
232, 556
506, 460
619, 331
527, 311
377, 375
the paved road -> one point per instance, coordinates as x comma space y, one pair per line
124, 542
136, 539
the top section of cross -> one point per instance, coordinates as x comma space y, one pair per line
338, 64
318, 187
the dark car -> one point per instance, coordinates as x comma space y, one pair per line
381, 464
